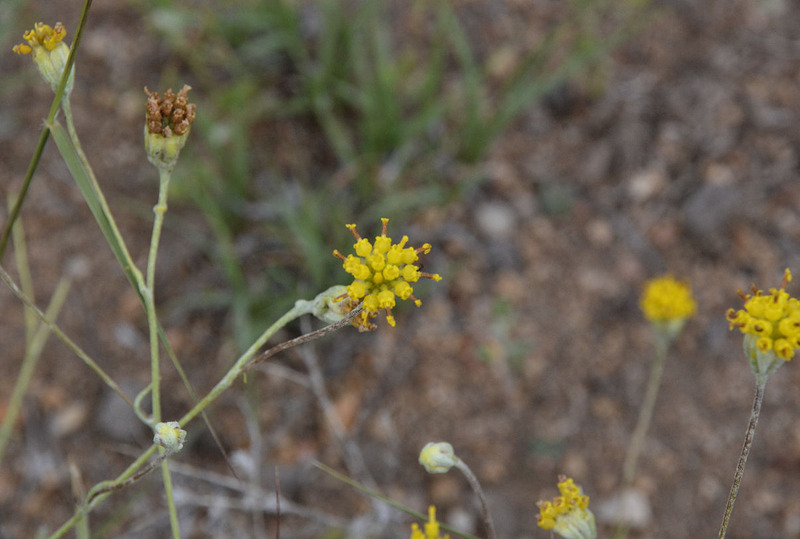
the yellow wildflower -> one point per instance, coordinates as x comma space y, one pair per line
568, 515
383, 271
666, 299
431, 527
770, 323
49, 52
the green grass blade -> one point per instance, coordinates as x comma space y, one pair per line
77, 171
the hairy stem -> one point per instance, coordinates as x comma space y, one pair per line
758, 399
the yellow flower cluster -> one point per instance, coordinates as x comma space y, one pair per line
50, 53
431, 527
666, 299
42, 35
568, 514
774, 319
383, 271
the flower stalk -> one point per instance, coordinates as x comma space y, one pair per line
755, 413
438, 458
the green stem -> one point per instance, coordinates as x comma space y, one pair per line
54, 106
758, 399
152, 320
149, 294
662, 342
646, 412
238, 367
33, 351
122, 247
173, 512
100, 491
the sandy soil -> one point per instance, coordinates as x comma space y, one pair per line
531, 357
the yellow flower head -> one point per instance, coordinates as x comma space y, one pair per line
568, 515
431, 527
383, 271
49, 52
168, 120
771, 322
666, 299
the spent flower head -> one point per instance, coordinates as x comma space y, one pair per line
770, 324
383, 271
568, 514
46, 45
431, 527
168, 120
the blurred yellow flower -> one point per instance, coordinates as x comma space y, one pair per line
383, 271
568, 515
431, 527
666, 299
772, 320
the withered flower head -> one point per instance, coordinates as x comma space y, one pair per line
167, 124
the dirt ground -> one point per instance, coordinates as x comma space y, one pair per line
530, 357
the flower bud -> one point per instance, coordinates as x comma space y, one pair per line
170, 436
438, 457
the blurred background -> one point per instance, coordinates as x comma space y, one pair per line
556, 154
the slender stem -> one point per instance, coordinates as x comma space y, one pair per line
26, 183
758, 399
173, 511
33, 351
149, 294
93, 498
662, 342
353, 457
60, 97
385, 499
101, 199
244, 363
476, 487
6, 278
100, 491
645, 412
150, 308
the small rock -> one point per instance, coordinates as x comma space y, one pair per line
631, 507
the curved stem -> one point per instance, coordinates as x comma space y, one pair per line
758, 399
245, 362
476, 487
